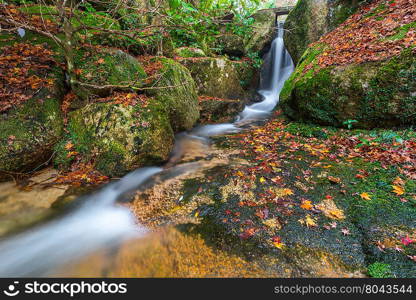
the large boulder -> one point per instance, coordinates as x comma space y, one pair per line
216, 77
174, 87
118, 137
102, 70
369, 82
30, 113
311, 19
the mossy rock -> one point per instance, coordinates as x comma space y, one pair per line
263, 31
230, 44
311, 19
375, 94
103, 67
216, 77
248, 75
29, 131
175, 88
188, 52
118, 138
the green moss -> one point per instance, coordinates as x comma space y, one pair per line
36, 126
176, 89
374, 93
402, 31
379, 270
107, 67
189, 52
118, 138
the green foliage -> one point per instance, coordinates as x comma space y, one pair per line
349, 123
198, 26
256, 60
379, 270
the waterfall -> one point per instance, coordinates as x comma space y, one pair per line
100, 222
276, 69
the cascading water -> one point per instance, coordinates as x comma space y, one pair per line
99, 222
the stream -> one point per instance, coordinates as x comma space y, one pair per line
100, 222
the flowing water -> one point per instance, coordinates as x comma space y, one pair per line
99, 222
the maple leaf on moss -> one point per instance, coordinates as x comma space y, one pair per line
398, 190
306, 204
308, 221
277, 242
365, 196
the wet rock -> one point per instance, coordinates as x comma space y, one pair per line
21, 207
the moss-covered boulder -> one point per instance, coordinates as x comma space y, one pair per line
30, 98
188, 52
101, 70
373, 94
367, 82
174, 87
117, 137
310, 19
215, 77
263, 31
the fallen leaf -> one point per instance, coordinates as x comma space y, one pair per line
306, 204
398, 190
365, 196
277, 242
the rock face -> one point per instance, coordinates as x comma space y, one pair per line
215, 77
230, 44
370, 81
311, 19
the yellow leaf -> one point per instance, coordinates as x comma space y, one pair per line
306, 204
283, 192
398, 190
273, 223
308, 221
330, 210
262, 180
239, 173
365, 196
278, 245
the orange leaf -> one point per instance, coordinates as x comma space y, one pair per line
365, 196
